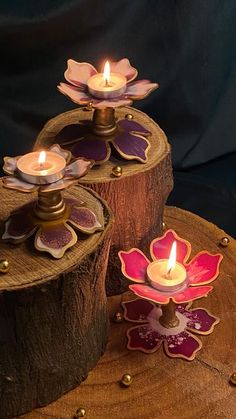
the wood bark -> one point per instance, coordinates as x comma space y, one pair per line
53, 313
137, 198
162, 387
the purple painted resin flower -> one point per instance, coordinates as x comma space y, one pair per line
78, 74
178, 342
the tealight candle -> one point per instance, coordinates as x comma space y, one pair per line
107, 85
40, 167
166, 274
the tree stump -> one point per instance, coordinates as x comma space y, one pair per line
137, 198
53, 313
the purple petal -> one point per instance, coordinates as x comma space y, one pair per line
97, 150
134, 265
9, 166
184, 345
20, 225
18, 184
149, 293
137, 310
200, 321
78, 168
140, 89
79, 73
144, 339
124, 67
55, 239
204, 268
55, 148
84, 219
191, 293
131, 147
133, 127
73, 93
70, 133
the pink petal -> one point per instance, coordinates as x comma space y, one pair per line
203, 268
140, 89
84, 220
144, 291
134, 264
59, 185
18, 184
55, 148
79, 73
137, 310
160, 248
78, 168
191, 293
73, 93
9, 166
184, 345
200, 321
55, 239
112, 103
143, 338
124, 67
20, 225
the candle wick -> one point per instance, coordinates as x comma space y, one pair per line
168, 273
41, 166
106, 83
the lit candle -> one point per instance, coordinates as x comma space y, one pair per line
41, 168
107, 85
166, 274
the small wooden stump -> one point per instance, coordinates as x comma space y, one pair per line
53, 313
137, 198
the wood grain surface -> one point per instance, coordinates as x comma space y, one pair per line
163, 387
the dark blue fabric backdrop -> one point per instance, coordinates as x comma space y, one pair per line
187, 46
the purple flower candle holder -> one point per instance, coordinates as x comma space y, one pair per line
95, 139
51, 216
162, 316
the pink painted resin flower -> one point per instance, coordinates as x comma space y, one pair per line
201, 270
78, 74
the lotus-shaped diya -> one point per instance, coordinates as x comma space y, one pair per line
170, 282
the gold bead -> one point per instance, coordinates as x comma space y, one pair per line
80, 413
118, 317
4, 266
117, 171
224, 241
233, 378
129, 116
90, 106
163, 225
126, 380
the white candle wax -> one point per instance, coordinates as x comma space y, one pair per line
163, 280
32, 170
114, 87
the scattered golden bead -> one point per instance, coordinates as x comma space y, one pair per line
118, 317
224, 241
88, 107
4, 266
126, 380
163, 225
233, 378
80, 413
129, 116
117, 171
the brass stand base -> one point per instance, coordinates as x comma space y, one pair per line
103, 122
168, 318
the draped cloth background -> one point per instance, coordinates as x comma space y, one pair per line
187, 46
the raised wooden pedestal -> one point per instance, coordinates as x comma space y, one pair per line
53, 313
165, 388
137, 198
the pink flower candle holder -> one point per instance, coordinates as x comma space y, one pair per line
104, 92
51, 216
162, 312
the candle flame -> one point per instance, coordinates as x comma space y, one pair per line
42, 158
106, 73
172, 258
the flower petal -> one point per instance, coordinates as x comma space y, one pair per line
140, 89
132, 146
55, 239
20, 225
18, 184
71, 133
84, 219
134, 264
184, 345
59, 185
161, 246
133, 127
73, 93
55, 148
204, 268
112, 103
191, 293
200, 321
97, 150
79, 73
78, 168
124, 67
137, 310
143, 338
9, 166
144, 291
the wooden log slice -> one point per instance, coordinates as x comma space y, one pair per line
165, 387
53, 313
137, 198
